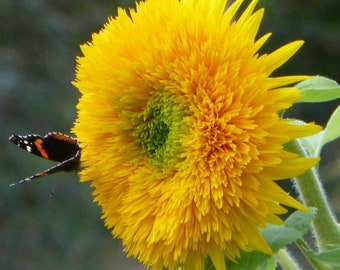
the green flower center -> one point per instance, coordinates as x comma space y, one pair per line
154, 133
158, 129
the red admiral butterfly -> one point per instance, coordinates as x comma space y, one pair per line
54, 146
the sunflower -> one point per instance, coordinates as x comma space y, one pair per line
181, 134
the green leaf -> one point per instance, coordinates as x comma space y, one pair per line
277, 236
296, 225
253, 261
330, 257
331, 132
318, 89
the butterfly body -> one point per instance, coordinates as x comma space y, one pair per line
54, 146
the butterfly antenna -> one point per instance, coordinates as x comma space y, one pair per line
28, 179
20, 182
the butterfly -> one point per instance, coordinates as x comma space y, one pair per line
54, 146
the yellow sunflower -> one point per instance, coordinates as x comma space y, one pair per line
181, 135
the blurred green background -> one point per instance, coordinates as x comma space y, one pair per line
39, 41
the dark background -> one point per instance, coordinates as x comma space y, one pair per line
39, 41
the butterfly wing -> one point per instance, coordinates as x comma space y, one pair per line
31, 143
54, 146
60, 147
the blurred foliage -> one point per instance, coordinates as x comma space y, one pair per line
39, 41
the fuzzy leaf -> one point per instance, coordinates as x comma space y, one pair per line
253, 261
330, 257
277, 236
331, 132
296, 225
318, 89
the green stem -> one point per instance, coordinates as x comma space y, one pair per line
286, 261
313, 195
